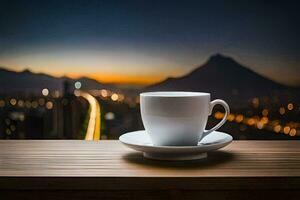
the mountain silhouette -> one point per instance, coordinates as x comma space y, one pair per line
224, 78
32, 83
221, 76
26, 81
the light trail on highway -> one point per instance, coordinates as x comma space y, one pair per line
94, 126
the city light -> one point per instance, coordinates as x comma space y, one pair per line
265, 112
260, 125
251, 121
109, 116
264, 120
49, 105
56, 94
45, 92
293, 132
114, 97
2, 103
290, 106
21, 103
121, 97
286, 130
13, 102
277, 128
104, 93
77, 85
282, 110
239, 118
230, 117
34, 104
219, 115
77, 93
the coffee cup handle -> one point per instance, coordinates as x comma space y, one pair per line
227, 112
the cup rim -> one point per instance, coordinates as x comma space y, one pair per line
174, 94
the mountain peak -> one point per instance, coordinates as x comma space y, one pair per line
219, 63
220, 58
221, 75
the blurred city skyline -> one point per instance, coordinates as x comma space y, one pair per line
142, 42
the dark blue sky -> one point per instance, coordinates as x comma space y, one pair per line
151, 39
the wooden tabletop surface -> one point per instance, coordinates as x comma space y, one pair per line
108, 164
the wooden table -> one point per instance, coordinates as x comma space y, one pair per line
108, 170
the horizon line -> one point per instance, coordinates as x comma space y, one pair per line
136, 80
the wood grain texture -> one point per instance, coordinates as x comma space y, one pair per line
108, 165
152, 195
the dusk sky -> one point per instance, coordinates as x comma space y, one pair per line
146, 41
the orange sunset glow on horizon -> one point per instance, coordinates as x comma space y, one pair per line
120, 78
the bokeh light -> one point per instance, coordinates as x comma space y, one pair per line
45, 92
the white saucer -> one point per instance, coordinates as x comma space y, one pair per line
140, 141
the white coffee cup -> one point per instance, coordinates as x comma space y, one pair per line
178, 118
